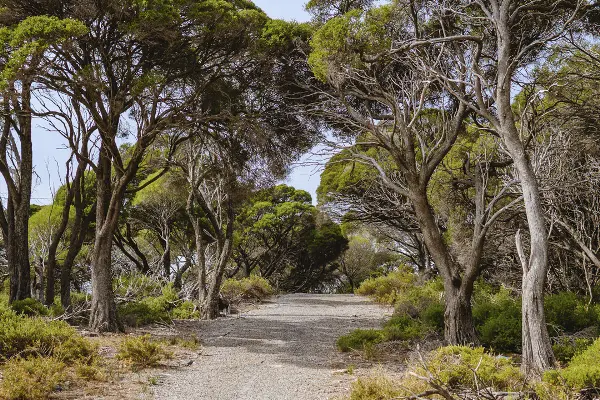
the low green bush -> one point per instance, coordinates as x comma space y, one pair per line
385, 289
141, 352
138, 286
253, 288
148, 310
566, 348
566, 312
29, 307
34, 378
583, 371
359, 339
497, 319
455, 366
433, 317
185, 310
403, 327
375, 388
23, 336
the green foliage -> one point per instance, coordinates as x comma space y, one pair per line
568, 312
403, 327
33, 378
583, 371
150, 309
359, 339
375, 388
497, 318
152, 302
31, 37
278, 33
386, 289
35, 336
433, 316
253, 288
185, 310
343, 41
29, 307
141, 352
565, 348
454, 366
302, 248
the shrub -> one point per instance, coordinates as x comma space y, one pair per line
359, 338
141, 352
137, 286
385, 289
32, 378
148, 310
582, 372
403, 327
454, 366
414, 300
185, 310
374, 388
566, 348
567, 312
34, 336
253, 288
433, 317
497, 318
29, 307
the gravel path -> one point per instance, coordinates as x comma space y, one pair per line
284, 350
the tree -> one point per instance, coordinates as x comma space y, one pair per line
281, 236
403, 124
24, 48
153, 60
477, 54
271, 228
363, 257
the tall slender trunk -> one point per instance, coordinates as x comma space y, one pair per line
19, 185
103, 316
165, 258
18, 250
537, 349
80, 227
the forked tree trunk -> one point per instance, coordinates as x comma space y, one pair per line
19, 185
537, 354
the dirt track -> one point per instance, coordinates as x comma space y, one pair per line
283, 350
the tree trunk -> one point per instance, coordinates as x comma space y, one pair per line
458, 320
78, 234
18, 244
165, 258
103, 316
458, 316
537, 348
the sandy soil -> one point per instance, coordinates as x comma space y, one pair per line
283, 350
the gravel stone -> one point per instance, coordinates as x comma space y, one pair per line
283, 350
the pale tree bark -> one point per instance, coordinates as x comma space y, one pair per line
16, 167
492, 62
210, 209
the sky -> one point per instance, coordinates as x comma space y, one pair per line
50, 152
